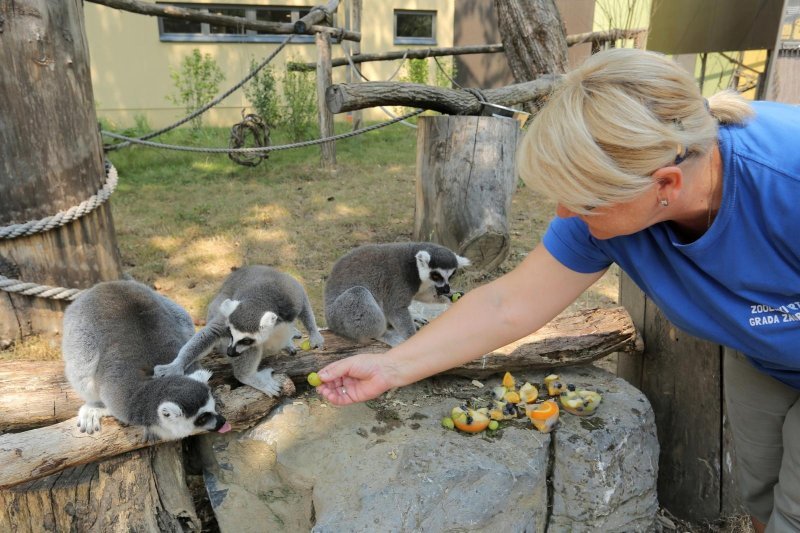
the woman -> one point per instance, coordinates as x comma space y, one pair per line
697, 201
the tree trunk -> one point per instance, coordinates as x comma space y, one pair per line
465, 181
143, 490
50, 160
534, 38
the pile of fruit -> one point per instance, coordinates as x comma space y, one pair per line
509, 402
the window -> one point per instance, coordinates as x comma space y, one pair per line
414, 27
172, 30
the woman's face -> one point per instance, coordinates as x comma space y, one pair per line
620, 219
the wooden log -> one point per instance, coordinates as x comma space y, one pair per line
570, 339
681, 375
349, 97
320, 14
51, 159
356, 8
465, 180
195, 15
496, 48
324, 80
143, 490
40, 452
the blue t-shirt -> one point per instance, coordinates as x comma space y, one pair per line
739, 284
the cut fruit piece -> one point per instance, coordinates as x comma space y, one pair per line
512, 397
582, 402
470, 420
544, 416
508, 381
528, 393
554, 386
499, 392
447, 422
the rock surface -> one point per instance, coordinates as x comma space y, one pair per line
388, 465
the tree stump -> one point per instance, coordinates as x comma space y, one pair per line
465, 181
143, 490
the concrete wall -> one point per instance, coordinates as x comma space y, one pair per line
131, 66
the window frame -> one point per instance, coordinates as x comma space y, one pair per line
414, 40
249, 36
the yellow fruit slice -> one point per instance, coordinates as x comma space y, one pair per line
508, 381
554, 386
528, 393
512, 397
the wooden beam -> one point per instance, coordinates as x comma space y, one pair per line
195, 15
422, 53
40, 452
349, 97
324, 81
320, 14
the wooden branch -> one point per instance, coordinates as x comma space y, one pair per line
40, 452
195, 15
351, 96
33, 394
422, 53
315, 16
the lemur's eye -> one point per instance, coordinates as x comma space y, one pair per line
246, 342
435, 276
202, 420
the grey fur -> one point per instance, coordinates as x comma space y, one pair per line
370, 288
242, 311
114, 334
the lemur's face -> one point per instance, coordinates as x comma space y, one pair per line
242, 341
434, 281
175, 422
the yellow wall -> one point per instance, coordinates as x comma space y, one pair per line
131, 66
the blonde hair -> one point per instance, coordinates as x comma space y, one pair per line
613, 121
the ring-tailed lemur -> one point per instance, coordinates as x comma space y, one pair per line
370, 288
114, 334
253, 313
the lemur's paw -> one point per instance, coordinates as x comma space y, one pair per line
297, 334
263, 381
161, 371
291, 349
89, 418
316, 340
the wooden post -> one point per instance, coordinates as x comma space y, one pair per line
681, 375
51, 159
465, 181
355, 21
325, 80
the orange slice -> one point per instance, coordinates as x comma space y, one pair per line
470, 421
545, 416
508, 381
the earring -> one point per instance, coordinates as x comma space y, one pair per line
664, 202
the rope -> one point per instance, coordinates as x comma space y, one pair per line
261, 149
258, 129
206, 107
39, 291
63, 217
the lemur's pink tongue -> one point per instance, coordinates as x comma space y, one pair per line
225, 428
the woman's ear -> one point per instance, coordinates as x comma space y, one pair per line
669, 182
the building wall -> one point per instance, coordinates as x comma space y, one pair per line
131, 66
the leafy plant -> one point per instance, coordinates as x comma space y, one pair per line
262, 93
196, 82
445, 71
299, 107
416, 71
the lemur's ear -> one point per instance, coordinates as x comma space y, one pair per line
462, 261
268, 320
227, 307
169, 410
202, 375
423, 259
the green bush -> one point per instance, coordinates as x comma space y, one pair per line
416, 71
262, 93
448, 65
197, 82
299, 107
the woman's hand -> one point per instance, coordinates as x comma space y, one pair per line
356, 379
